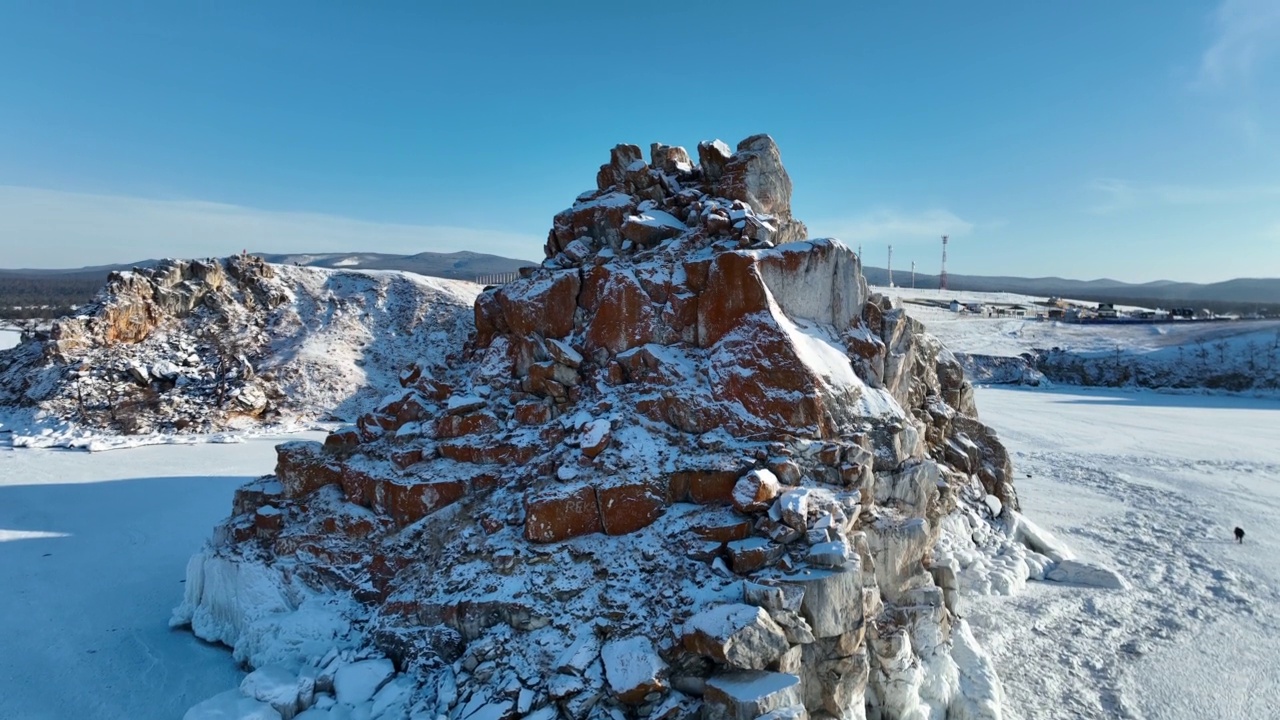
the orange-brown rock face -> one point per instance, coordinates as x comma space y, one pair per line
679, 341
621, 312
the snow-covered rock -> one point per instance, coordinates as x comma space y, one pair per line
1082, 573
708, 435
633, 668
232, 705
202, 346
358, 682
747, 695
738, 635
276, 686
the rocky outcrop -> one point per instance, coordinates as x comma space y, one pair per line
1246, 362
689, 426
204, 345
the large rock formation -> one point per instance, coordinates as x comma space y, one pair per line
204, 345
688, 465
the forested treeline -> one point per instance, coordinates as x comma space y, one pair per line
44, 297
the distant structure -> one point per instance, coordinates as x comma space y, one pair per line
942, 276
890, 266
913, 274
497, 278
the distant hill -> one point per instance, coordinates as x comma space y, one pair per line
1242, 295
44, 293
462, 265
48, 293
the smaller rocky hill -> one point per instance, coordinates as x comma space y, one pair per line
208, 345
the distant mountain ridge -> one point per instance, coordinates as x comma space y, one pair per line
1239, 294
47, 293
462, 265
77, 285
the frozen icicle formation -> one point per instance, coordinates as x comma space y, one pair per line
689, 464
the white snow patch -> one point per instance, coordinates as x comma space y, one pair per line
630, 663
358, 682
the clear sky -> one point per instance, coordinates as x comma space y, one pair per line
1138, 140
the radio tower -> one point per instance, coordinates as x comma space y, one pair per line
913, 274
942, 276
890, 266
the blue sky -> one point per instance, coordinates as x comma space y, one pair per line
1135, 140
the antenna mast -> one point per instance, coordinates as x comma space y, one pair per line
913, 274
942, 276
890, 266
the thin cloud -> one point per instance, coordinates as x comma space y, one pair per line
1246, 33
1119, 195
886, 225
51, 228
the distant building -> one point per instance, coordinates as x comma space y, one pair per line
955, 306
1185, 313
1107, 311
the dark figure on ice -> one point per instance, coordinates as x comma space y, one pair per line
1240, 535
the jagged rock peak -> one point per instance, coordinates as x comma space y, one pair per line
742, 197
689, 465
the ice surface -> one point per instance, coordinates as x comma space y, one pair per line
96, 562
1150, 485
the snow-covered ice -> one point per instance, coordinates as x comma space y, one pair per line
9, 338
1150, 485
93, 552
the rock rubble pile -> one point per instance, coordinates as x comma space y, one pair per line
690, 465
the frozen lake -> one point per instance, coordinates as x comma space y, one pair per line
1151, 485
93, 552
